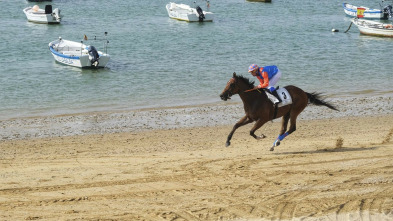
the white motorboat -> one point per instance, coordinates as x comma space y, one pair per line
47, 16
373, 28
186, 13
78, 54
369, 13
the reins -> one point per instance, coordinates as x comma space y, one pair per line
253, 89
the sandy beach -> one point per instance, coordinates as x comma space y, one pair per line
172, 164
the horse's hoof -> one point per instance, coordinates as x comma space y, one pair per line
275, 144
227, 144
261, 137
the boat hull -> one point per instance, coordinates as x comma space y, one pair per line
186, 13
75, 54
374, 28
351, 11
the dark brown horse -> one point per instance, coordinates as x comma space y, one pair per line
260, 109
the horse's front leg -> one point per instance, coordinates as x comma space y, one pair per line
257, 125
243, 121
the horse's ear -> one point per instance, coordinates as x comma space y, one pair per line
234, 74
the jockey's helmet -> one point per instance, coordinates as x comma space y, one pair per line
252, 68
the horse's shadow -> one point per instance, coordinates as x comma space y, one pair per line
335, 150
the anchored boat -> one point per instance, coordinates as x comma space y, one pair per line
373, 28
187, 13
369, 13
47, 16
78, 54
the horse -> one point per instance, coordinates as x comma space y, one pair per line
260, 109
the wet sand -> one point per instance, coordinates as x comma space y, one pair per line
172, 164
219, 114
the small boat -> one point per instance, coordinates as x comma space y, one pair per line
78, 54
186, 13
373, 28
383, 13
47, 16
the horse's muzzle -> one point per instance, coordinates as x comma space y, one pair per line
225, 96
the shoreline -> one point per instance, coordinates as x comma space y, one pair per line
206, 115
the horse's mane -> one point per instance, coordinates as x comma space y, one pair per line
246, 80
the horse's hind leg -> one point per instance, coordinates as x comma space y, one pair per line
284, 123
282, 135
243, 121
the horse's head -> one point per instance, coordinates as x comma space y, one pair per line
231, 88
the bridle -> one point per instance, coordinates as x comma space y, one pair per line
228, 93
231, 86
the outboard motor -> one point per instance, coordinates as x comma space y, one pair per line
93, 55
48, 9
200, 13
56, 14
387, 12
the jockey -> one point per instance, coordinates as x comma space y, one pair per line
268, 77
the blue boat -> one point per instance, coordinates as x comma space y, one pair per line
383, 13
78, 54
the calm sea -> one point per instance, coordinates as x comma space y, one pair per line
159, 62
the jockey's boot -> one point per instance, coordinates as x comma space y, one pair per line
274, 92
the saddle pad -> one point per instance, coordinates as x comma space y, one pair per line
285, 97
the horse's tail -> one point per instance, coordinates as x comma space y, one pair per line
315, 98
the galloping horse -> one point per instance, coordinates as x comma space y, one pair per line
260, 109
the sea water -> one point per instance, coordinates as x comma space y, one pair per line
161, 62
